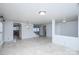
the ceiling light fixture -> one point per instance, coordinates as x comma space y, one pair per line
63, 21
42, 12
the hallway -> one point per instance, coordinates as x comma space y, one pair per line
35, 46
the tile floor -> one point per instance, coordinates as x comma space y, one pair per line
35, 46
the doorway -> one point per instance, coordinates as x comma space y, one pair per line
42, 30
17, 31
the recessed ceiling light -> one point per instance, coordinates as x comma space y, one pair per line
63, 21
42, 12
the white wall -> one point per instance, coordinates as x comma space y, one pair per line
69, 42
67, 29
78, 26
49, 30
1, 27
27, 32
53, 29
1, 33
66, 41
1, 39
8, 31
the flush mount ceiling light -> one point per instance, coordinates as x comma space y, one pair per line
63, 21
42, 12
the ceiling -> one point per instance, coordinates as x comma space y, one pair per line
28, 12
67, 19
